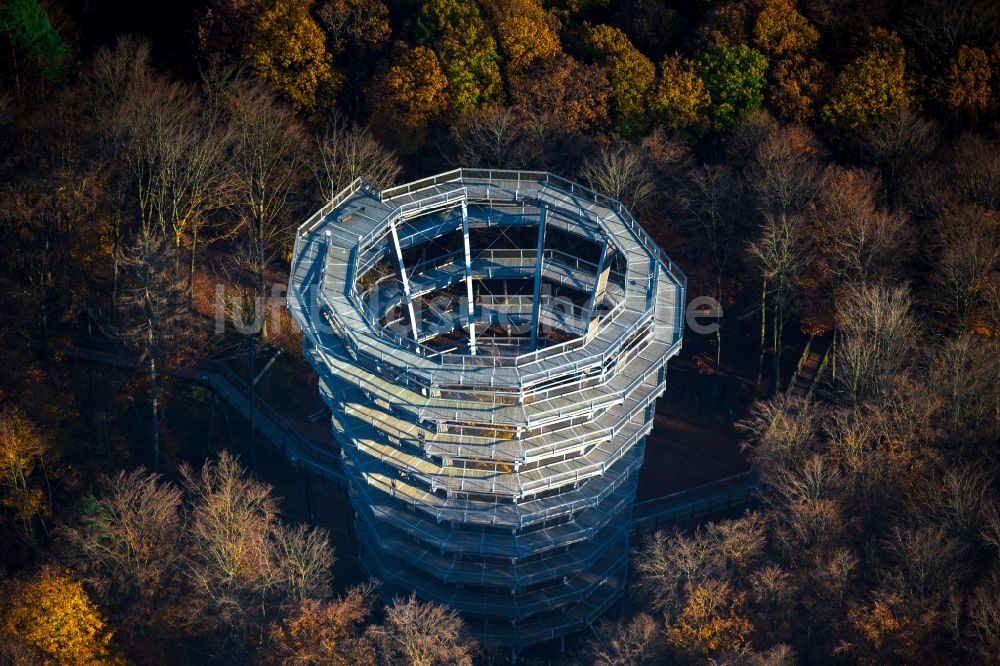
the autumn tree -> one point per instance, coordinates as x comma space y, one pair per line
456, 30
354, 27
240, 560
680, 100
22, 450
406, 94
287, 48
526, 32
422, 634
324, 632
631, 76
735, 77
574, 95
711, 622
871, 85
127, 543
52, 613
965, 89
780, 30
796, 86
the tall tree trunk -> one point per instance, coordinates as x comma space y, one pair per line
776, 336
251, 392
154, 392
718, 338
763, 333
194, 247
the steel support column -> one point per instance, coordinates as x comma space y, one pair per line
468, 279
407, 297
600, 284
537, 296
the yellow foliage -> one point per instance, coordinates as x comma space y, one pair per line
711, 621
872, 85
780, 29
526, 32
630, 73
53, 613
966, 91
406, 94
21, 449
288, 48
681, 100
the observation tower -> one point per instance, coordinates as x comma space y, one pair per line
491, 345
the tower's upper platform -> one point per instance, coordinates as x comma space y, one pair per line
508, 282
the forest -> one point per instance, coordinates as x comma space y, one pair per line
826, 170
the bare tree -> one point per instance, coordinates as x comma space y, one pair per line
712, 201
269, 145
862, 240
667, 564
301, 559
878, 335
778, 253
635, 642
422, 634
899, 143
491, 137
939, 27
807, 508
976, 170
781, 432
171, 149
983, 629
785, 175
345, 152
964, 374
623, 172
154, 310
268, 159
228, 562
968, 255
927, 564
127, 544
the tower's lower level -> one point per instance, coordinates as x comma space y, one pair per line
491, 403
